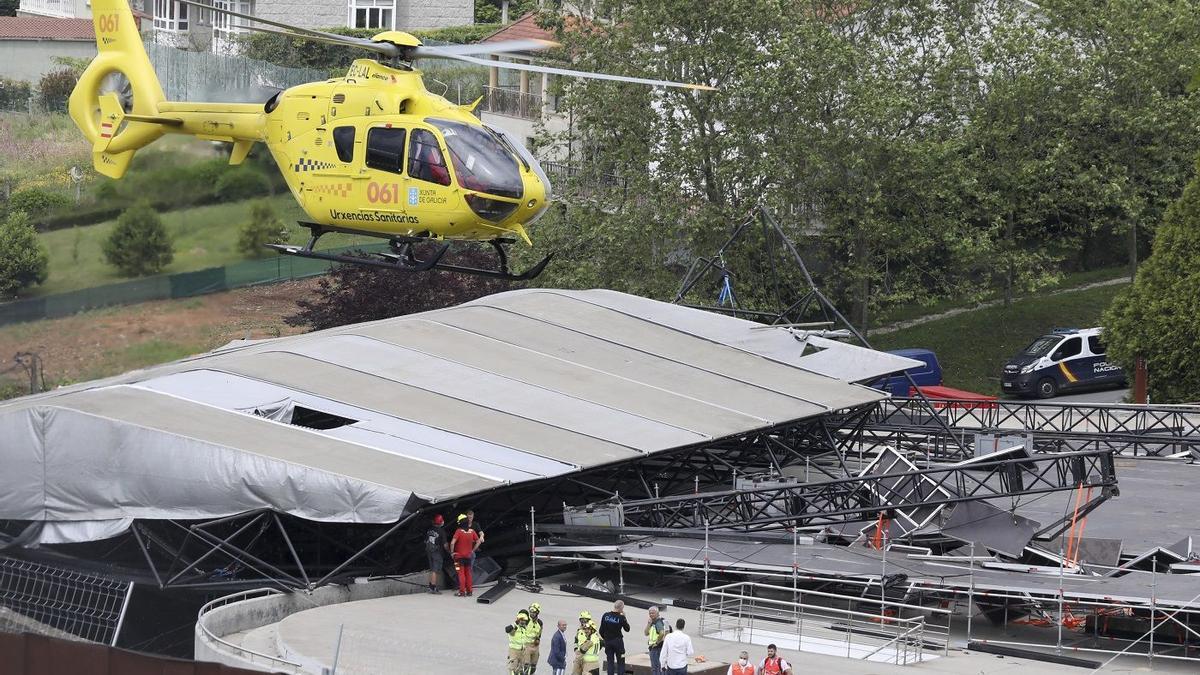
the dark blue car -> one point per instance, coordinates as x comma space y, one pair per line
929, 374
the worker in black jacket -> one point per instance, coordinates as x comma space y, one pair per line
611, 625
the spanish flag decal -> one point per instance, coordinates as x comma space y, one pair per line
1063, 367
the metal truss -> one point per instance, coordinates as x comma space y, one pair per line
292, 553
1055, 427
863, 497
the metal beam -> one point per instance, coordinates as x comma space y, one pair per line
861, 497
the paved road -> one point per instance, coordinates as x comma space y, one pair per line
1106, 396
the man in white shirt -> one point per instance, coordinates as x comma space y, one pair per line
677, 651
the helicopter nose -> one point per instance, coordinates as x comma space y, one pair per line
537, 197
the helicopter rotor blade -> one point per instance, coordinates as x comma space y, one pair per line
314, 38
386, 49
528, 67
505, 47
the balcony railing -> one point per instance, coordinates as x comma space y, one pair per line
573, 180
61, 8
512, 103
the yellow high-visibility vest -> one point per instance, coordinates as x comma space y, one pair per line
590, 648
518, 637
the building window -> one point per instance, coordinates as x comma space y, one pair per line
170, 15
226, 28
373, 14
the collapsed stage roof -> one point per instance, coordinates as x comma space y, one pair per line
364, 423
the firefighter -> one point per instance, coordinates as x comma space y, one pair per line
533, 633
518, 638
587, 651
462, 546
585, 617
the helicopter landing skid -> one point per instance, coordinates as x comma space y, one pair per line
403, 258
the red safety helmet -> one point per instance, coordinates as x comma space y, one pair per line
438, 519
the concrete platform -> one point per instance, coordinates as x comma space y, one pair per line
442, 633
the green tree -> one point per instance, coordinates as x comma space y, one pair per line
919, 149
489, 11
264, 227
1156, 317
24, 260
139, 244
1137, 116
831, 117
9, 7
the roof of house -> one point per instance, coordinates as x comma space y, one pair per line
46, 28
523, 28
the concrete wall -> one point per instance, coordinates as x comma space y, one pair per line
304, 13
412, 14
30, 59
330, 13
254, 613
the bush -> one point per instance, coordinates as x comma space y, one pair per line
24, 260
14, 94
139, 245
353, 293
205, 174
36, 202
55, 88
265, 227
243, 182
88, 215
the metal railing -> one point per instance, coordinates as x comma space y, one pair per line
273, 662
821, 622
574, 180
49, 599
513, 103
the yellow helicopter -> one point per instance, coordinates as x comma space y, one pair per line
370, 153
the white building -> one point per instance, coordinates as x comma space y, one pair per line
188, 27
28, 44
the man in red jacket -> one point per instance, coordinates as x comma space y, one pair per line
462, 546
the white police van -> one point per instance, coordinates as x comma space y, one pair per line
1066, 358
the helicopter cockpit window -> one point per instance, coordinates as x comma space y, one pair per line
425, 161
385, 149
481, 160
343, 142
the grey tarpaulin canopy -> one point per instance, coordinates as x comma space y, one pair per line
364, 423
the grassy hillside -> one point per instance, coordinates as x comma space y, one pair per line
973, 347
204, 236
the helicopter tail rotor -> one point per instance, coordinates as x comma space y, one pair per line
118, 92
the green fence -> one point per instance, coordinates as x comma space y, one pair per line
167, 286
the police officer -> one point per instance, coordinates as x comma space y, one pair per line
533, 635
518, 637
611, 626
